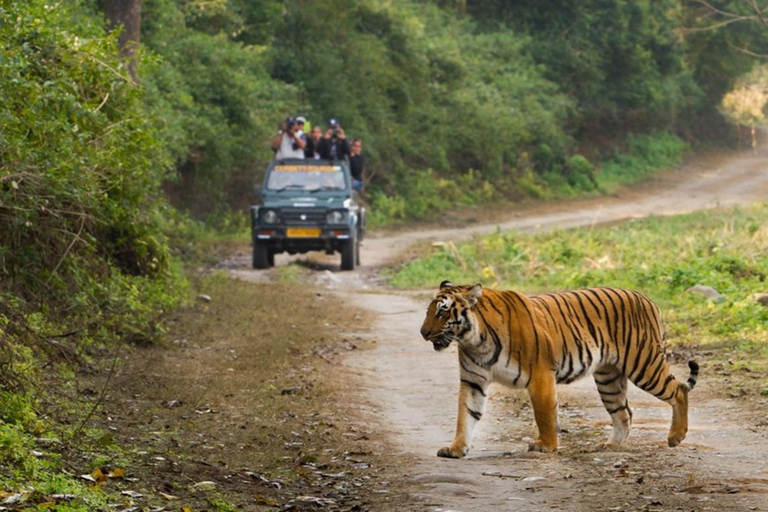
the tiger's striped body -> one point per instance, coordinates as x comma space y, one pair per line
535, 342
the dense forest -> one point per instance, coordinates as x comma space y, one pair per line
456, 101
117, 141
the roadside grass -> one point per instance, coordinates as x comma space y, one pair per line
661, 257
37, 471
48, 455
247, 395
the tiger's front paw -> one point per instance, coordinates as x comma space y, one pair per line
450, 452
675, 439
541, 446
608, 446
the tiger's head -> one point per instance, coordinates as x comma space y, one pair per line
449, 315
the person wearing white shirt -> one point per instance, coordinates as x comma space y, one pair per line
287, 143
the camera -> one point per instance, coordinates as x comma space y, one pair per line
289, 124
335, 133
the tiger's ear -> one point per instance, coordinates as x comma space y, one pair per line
474, 293
446, 284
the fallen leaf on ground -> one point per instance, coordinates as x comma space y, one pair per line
116, 473
264, 500
98, 476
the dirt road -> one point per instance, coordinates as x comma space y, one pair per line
722, 465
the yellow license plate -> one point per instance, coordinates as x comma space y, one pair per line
303, 232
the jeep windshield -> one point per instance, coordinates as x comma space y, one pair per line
306, 177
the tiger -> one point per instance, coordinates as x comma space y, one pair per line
538, 341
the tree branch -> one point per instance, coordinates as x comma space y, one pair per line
748, 52
758, 12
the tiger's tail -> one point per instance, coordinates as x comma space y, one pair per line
693, 377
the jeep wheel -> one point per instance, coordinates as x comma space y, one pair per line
348, 254
261, 257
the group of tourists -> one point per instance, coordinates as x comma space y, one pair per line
292, 142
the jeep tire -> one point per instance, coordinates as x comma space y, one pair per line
261, 256
349, 254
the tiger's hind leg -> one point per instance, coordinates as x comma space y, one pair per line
612, 386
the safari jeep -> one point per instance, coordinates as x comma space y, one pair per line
307, 205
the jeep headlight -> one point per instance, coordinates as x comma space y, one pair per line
335, 217
269, 217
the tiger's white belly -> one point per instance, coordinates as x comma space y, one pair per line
512, 376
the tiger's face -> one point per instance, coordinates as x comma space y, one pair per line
449, 315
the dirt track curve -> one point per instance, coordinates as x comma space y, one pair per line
410, 391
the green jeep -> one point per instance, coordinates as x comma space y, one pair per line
307, 205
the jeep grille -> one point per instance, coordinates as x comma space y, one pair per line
304, 217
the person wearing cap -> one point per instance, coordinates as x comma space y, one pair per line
300, 120
336, 146
287, 143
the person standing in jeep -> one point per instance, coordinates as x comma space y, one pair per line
336, 146
315, 143
287, 143
357, 164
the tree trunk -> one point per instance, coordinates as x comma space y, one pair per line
128, 14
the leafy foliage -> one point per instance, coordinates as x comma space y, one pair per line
80, 168
217, 102
623, 59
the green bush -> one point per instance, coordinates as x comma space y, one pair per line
15, 448
81, 166
581, 173
644, 155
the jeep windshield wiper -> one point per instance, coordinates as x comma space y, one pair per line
292, 185
326, 187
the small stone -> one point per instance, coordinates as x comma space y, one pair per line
204, 298
762, 298
707, 291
